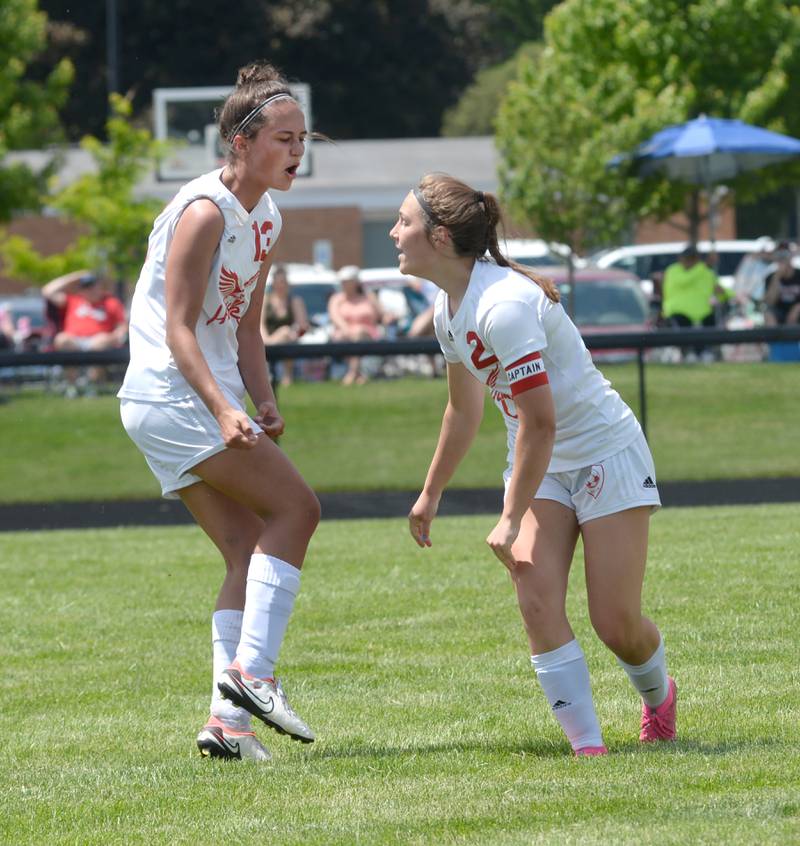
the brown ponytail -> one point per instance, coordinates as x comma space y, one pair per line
472, 219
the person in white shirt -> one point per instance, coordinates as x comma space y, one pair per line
196, 351
578, 463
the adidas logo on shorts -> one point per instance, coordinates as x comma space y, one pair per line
648, 483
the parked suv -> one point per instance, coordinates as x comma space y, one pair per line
606, 302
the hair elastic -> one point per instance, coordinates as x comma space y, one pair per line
249, 117
426, 207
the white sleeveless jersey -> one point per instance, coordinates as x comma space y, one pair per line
512, 338
153, 375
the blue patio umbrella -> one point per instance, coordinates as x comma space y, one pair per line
705, 151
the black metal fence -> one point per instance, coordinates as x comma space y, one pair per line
638, 342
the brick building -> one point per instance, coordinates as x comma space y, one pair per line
342, 212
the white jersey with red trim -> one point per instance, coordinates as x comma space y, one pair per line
152, 374
512, 338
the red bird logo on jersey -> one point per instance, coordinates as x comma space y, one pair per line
232, 293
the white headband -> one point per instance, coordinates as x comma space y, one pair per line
243, 124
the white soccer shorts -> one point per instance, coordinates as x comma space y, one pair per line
175, 436
622, 481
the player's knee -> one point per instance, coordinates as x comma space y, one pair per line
617, 630
303, 511
62, 341
312, 510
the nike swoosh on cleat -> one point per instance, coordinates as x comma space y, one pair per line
233, 748
221, 741
267, 705
254, 697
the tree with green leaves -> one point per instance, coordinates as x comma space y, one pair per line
28, 108
114, 225
615, 71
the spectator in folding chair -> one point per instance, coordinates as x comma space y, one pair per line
93, 320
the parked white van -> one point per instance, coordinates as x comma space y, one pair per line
649, 261
535, 252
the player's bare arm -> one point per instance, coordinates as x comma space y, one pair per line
56, 290
253, 362
460, 424
188, 265
534, 446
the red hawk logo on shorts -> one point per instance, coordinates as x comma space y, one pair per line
597, 476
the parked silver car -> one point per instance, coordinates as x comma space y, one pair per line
32, 326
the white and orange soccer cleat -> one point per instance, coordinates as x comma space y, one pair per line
216, 740
265, 699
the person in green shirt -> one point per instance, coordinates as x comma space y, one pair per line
691, 290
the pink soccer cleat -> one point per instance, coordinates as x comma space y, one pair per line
590, 751
659, 723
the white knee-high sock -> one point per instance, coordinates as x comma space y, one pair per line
650, 679
272, 586
564, 677
226, 631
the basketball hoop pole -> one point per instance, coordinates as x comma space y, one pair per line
112, 47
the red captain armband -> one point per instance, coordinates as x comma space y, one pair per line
526, 373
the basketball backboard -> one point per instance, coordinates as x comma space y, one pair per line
186, 118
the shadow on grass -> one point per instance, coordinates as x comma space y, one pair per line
543, 748
536, 749
683, 746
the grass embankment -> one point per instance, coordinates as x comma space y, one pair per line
719, 421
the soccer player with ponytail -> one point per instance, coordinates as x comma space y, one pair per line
578, 463
196, 352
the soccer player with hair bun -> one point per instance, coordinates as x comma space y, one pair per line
578, 463
196, 352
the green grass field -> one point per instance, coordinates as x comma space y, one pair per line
720, 421
412, 667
